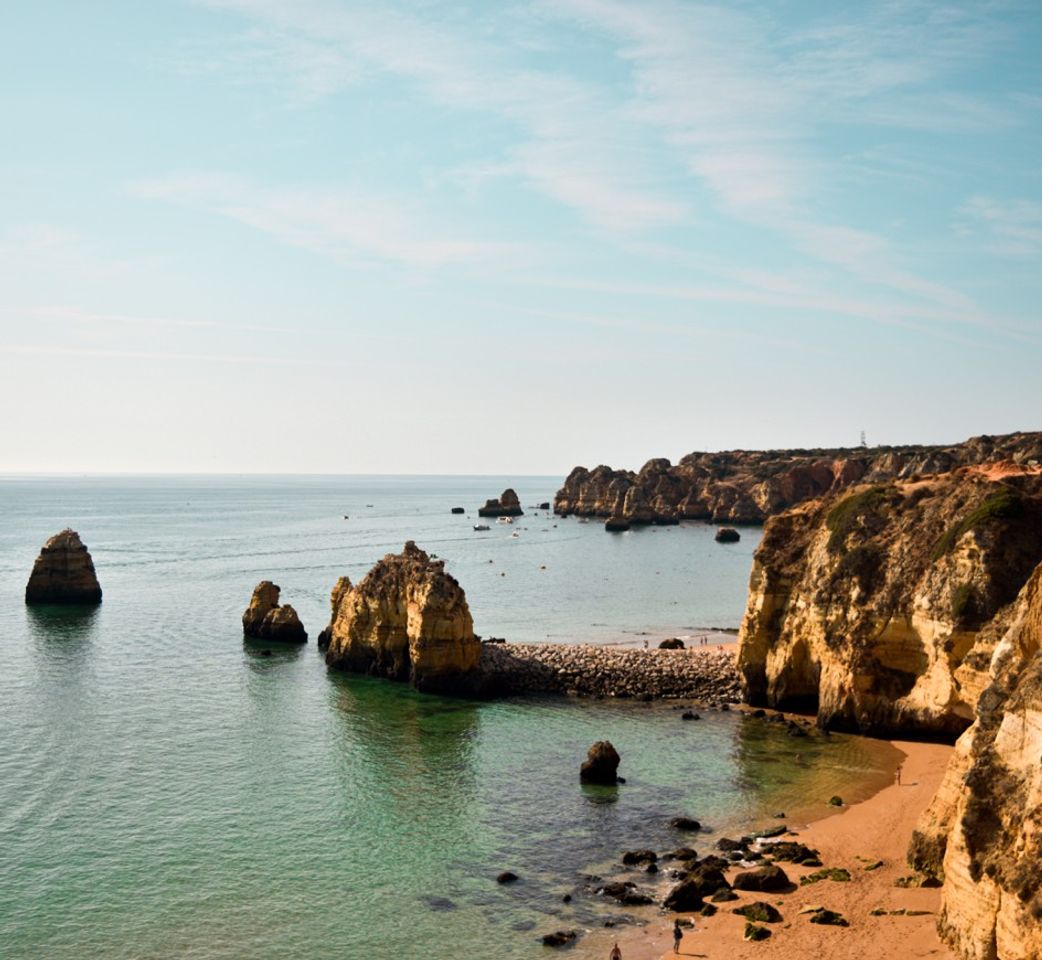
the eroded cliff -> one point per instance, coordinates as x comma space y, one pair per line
880, 606
983, 831
747, 486
406, 620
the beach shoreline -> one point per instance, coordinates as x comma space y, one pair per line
855, 837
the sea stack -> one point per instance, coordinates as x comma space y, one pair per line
264, 619
601, 764
63, 573
727, 535
507, 505
407, 620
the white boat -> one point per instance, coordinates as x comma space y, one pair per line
505, 520
481, 526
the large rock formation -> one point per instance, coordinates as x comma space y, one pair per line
407, 620
746, 486
507, 505
63, 573
880, 606
983, 831
265, 619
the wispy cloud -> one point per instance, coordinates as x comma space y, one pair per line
349, 226
1014, 227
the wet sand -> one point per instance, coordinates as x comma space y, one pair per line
877, 829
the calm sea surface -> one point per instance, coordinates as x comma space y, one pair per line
165, 792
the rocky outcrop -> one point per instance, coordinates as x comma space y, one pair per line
747, 486
727, 535
63, 573
407, 620
340, 590
880, 606
983, 831
265, 619
601, 764
507, 505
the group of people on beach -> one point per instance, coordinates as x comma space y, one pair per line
678, 935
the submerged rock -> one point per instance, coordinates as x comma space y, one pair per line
63, 572
265, 619
601, 764
407, 620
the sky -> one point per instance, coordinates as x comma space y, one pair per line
321, 236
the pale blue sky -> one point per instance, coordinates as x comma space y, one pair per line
429, 237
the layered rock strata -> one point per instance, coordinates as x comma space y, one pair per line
879, 607
407, 620
747, 486
507, 505
63, 573
266, 619
983, 832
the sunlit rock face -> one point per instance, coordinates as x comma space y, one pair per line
407, 620
880, 606
266, 619
748, 486
507, 505
63, 573
983, 831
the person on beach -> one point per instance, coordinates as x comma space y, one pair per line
899, 776
678, 935
616, 953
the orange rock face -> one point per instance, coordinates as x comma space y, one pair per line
407, 620
63, 572
265, 619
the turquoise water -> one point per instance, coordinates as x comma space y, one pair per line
166, 792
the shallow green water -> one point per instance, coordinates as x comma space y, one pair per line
166, 792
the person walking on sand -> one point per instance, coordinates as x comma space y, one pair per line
616, 953
678, 935
899, 776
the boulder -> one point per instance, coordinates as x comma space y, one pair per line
685, 823
759, 911
601, 764
625, 893
63, 573
559, 938
727, 535
685, 897
265, 619
407, 620
635, 857
616, 524
507, 505
458, 510
673, 643
768, 879
507, 876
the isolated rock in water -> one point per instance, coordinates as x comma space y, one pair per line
601, 764
408, 620
727, 535
340, 590
616, 524
264, 619
63, 572
458, 510
507, 505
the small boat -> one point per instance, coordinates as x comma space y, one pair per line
481, 526
505, 520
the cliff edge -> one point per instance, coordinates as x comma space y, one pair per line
879, 607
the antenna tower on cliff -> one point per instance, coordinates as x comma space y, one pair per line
864, 442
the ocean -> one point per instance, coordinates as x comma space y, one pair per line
166, 792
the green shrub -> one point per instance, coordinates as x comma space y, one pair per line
1001, 505
843, 517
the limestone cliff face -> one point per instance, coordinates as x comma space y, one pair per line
984, 828
266, 619
63, 572
407, 620
746, 486
880, 606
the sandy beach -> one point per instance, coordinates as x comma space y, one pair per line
877, 829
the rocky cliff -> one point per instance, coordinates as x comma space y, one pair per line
63, 572
507, 505
983, 832
879, 606
407, 620
744, 486
266, 619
